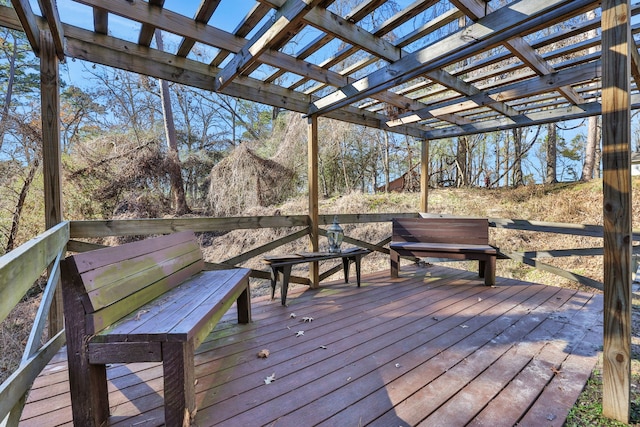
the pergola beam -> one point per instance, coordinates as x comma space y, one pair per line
286, 20
493, 29
29, 23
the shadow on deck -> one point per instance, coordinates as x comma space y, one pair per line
434, 347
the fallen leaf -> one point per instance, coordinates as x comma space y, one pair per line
140, 313
349, 379
479, 299
271, 378
307, 319
463, 326
263, 354
435, 318
299, 333
555, 371
324, 347
292, 315
397, 365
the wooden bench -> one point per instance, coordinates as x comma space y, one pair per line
455, 238
146, 301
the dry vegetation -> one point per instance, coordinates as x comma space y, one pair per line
570, 203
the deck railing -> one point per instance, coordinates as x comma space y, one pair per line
21, 268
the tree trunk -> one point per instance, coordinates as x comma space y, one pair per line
518, 179
17, 213
593, 143
7, 98
593, 136
461, 162
173, 160
552, 148
387, 177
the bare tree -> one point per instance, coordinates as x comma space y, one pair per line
552, 149
173, 159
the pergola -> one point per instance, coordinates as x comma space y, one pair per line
434, 69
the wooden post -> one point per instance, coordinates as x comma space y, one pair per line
51, 153
424, 176
616, 142
312, 159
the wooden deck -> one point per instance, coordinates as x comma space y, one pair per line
434, 347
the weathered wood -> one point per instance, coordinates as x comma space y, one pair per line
266, 248
20, 268
616, 159
523, 258
143, 301
14, 387
29, 23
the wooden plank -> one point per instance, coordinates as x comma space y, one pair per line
50, 12
204, 13
116, 254
616, 155
268, 247
100, 228
20, 268
28, 23
12, 389
108, 285
287, 19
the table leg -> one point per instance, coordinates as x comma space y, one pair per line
286, 275
345, 267
274, 278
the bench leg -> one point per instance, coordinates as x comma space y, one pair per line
395, 263
490, 272
482, 267
244, 304
89, 395
179, 383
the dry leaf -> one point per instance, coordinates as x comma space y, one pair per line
463, 326
263, 354
555, 371
271, 378
307, 319
292, 315
397, 365
299, 333
324, 347
140, 313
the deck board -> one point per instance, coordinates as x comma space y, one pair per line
433, 347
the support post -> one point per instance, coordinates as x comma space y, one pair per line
51, 153
424, 176
312, 160
616, 142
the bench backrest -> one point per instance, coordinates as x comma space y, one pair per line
115, 281
465, 231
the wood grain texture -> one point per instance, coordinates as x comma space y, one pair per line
616, 154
